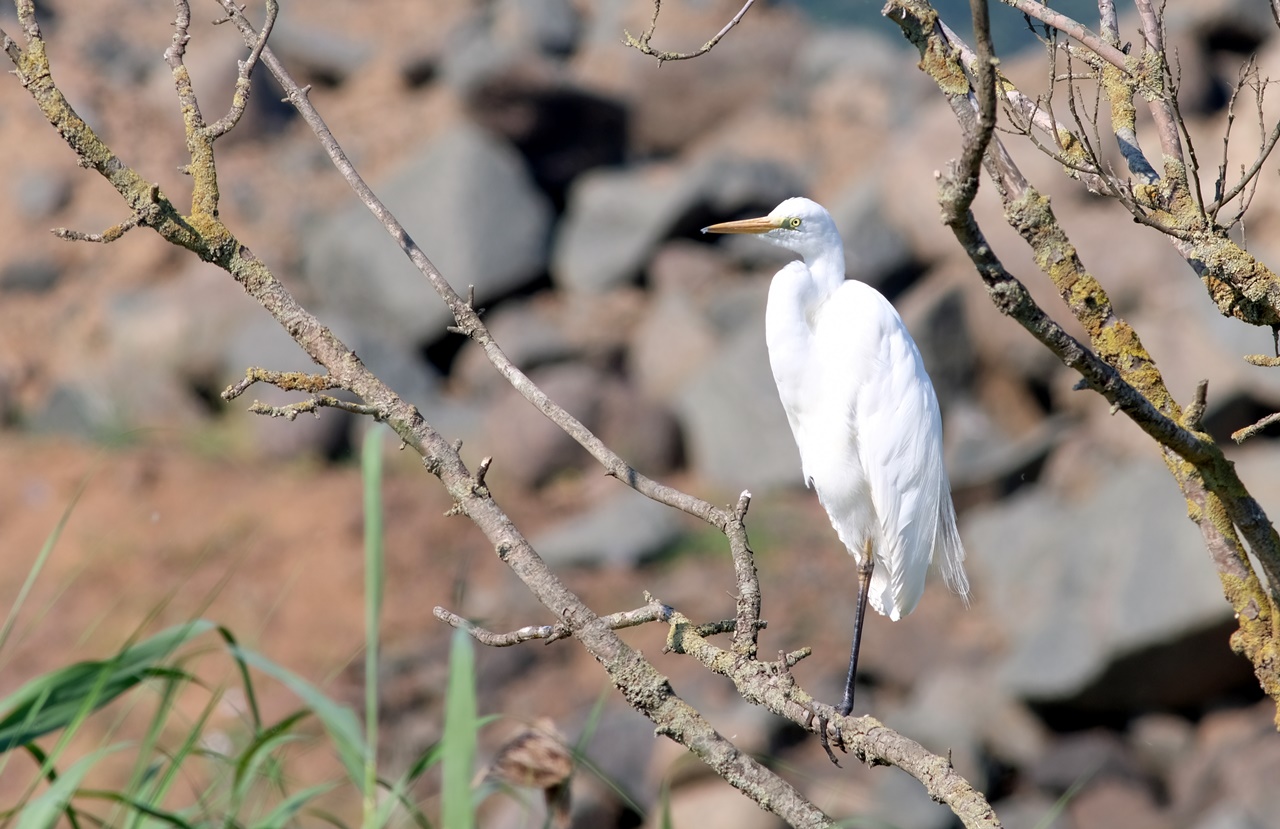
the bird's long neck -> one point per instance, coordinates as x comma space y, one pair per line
827, 268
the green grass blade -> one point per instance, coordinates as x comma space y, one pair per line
286, 811
44, 810
256, 753
374, 570
162, 779
124, 801
251, 697
459, 738
64, 696
339, 721
398, 795
143, 764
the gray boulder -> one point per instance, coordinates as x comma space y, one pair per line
616, 219
621, 531
735, 429
323, 53
875, 250
1077, 586
469, 204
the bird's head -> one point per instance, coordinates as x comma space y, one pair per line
797, 224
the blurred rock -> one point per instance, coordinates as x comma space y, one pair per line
154, 360
471, 55
549, 26
612, 223
468, 202
1203, 33
900, 800
1116, 804
181, 326
528, 450
711, 804
1028, 810
687, 269
509, 37
739, 304
645, 434
853, 74
671, 345
123, 61
622, 531
1083, 759
30, 276
615, 220
672, 109
1079, 585
39, 194
736, 432
1229, 816
503, 63
1158, 740
562, 131
73, 407
1234, 761
318, 54
875, 252
983, 462
528, 332
964, 714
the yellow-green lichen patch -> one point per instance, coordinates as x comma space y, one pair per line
1118, 85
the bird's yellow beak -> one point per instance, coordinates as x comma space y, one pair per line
764, 224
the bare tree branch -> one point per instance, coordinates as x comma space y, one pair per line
1118, 366
240, 98
654, 611
1241, 435
1076, 31
642, 45
1155, 73
1264, 152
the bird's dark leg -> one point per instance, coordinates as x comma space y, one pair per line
865, 566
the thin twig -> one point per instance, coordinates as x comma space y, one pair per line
285, 380
240, 98
1158, 99
1264, 152
313, 406
1072, 29
1241, 435
642, 45
654, 611
106, 237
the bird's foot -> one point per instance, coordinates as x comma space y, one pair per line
827, 721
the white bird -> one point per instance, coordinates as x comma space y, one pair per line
864, 416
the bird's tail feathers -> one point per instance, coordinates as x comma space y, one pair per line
952, 549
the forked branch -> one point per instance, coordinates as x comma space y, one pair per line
1115, 363
643, 46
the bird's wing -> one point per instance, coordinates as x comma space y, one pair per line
875, 371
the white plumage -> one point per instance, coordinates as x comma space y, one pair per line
863, 413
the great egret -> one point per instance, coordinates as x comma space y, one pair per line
864, 416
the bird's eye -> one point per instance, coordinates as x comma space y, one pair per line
793, 222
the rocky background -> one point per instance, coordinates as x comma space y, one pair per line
565, 177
